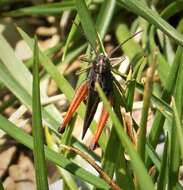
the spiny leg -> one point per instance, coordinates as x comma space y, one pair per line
79, 96
102, 121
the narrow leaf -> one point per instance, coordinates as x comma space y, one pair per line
151, 16
87, 22
45, 9
39, 154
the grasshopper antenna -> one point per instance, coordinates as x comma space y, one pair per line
82, 32
129, 38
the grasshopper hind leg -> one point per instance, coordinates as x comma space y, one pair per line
101, 124
80, 95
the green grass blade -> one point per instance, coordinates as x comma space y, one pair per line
105, 16
143, 178
45, 9
20, 85
145, 108
66, 176
54, 157
23, 96
174, 158
131, 48
138, 63
172, 9
176, 132
109, 162
152, 17
39, 155
170, 84
179, 129
85, 149
86, 22
153, 155
14, 65
117, 163
70, 36
163, 68
50, 52
158, 102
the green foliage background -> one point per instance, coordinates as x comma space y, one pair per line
162, 25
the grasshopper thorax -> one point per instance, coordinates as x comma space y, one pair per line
101, 64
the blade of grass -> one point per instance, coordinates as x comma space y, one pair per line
54, 157
124, 174
66, 176
141, 141
39, 154
44, 9
72, 32
163, 68
151, 16
85, 149
117, 163
69, 182
175, 148
50, 52
170, 84
23, 96
109, 161
131, 48
14, 65
105, 16
160, 104
87, 23
144, 179
20, 85
138, 63
174, 159
92, 162
66, 137
172, 9
179, 128
70, 36
153, 155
